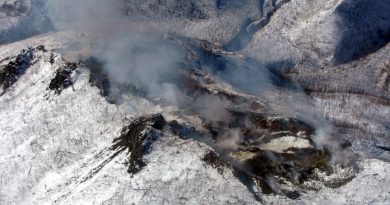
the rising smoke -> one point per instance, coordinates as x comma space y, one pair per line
145, 60
130, 57
86, 16
150, 63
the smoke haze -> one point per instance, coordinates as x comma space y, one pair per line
150, 63
86, 15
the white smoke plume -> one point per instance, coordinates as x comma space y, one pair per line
130, 57
86, 15
149, 63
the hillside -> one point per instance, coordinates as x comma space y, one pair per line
194, 102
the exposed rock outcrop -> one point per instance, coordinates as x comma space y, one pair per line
63, 78
137, 138
11, 72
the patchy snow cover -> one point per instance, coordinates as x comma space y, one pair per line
50, 144
284, 143
54, 148
371, 186
38, 135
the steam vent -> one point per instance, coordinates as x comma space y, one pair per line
153, 102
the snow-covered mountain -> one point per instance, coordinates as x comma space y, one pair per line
194, 102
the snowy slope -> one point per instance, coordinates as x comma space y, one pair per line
53, 159
371, 186
20, 19
320, 71
43, 161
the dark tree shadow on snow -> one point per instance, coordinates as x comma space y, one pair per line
364, 26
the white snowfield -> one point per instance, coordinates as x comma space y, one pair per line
55, 149
51, 146
50, 143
